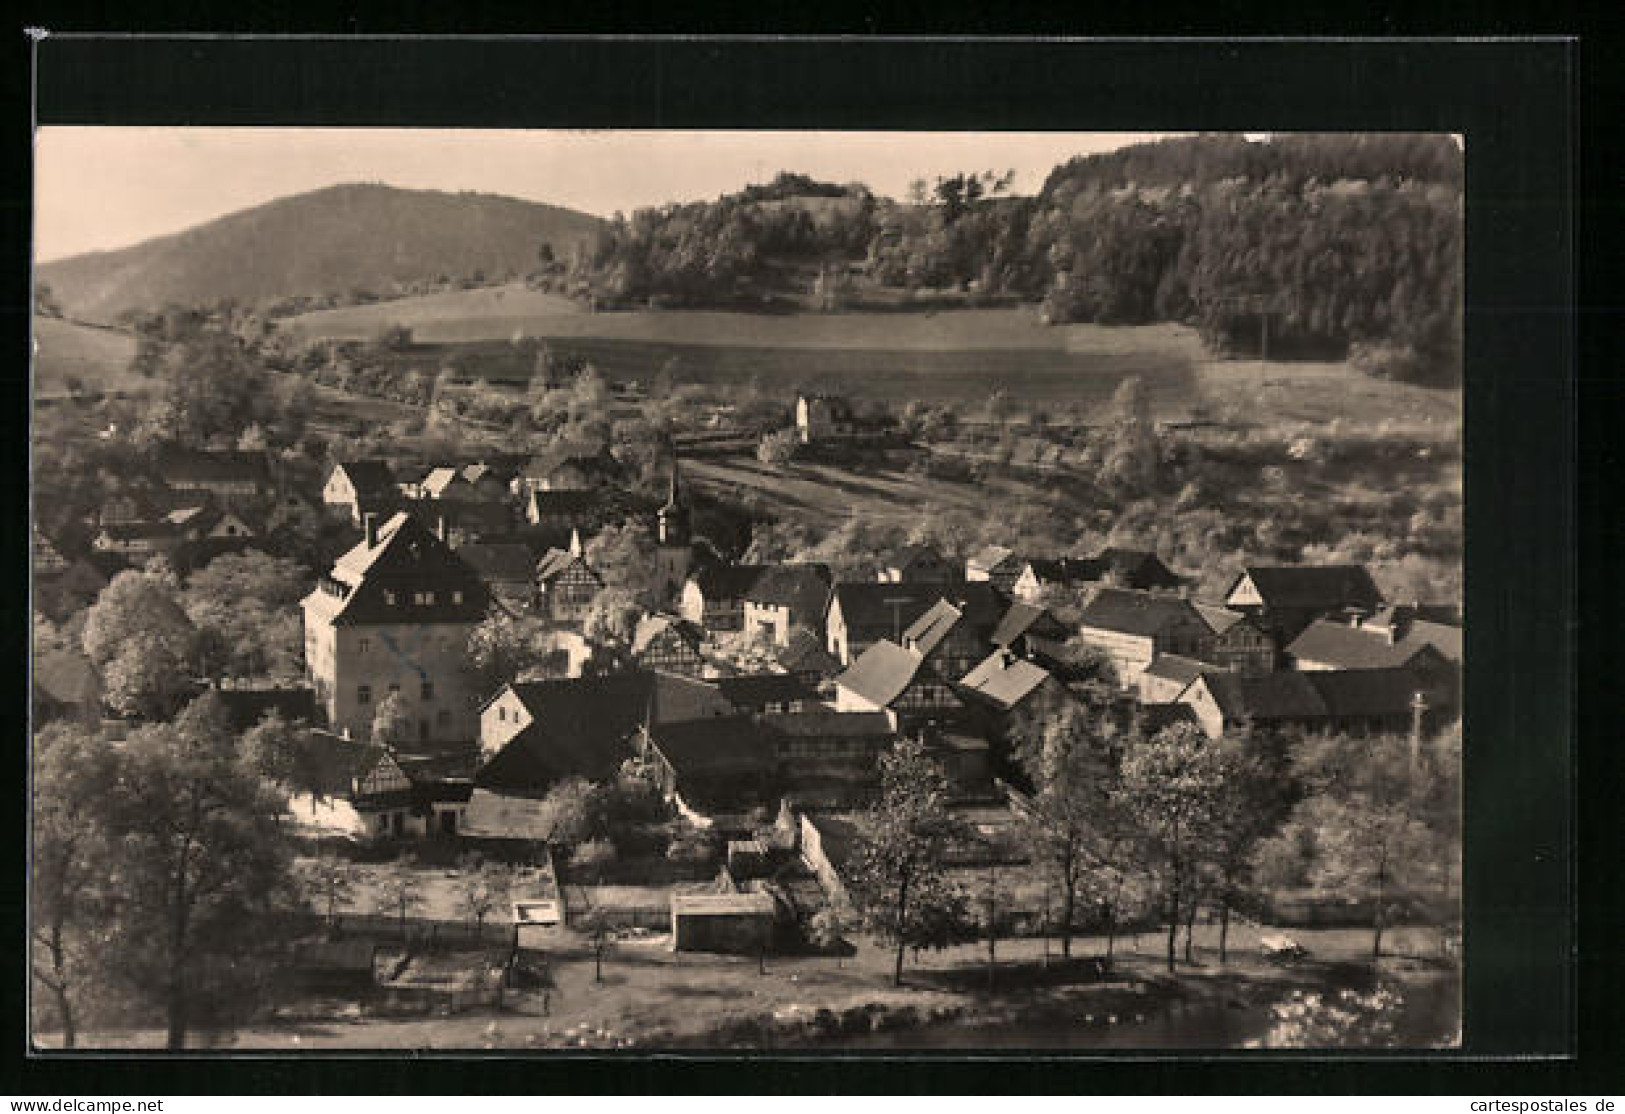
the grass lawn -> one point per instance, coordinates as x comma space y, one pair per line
98, 356
650, 997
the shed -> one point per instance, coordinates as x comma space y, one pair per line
740, 923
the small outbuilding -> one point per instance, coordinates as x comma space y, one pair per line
738, 923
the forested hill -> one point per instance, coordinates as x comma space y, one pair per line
351, 242
1315, 245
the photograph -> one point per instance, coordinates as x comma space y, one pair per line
683, 590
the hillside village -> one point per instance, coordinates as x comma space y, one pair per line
635, 692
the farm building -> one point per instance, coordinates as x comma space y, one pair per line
1287, 598
1134, 627
737, 923
565, 584
859, 615
891, 678
824, 417
785, 597
1239, 642
995, 564
224, 472
668, 643
917, 564
714, 596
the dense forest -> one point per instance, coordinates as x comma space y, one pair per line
1303, 245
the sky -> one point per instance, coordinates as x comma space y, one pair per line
101, 188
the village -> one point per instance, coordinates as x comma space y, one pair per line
495, 747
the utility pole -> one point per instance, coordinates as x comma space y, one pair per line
992, 920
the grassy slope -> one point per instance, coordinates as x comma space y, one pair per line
100, 357
327, 241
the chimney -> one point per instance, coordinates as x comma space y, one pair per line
370, 524
575, 542
1419, 707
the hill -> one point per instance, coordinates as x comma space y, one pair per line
332, 242
72, 356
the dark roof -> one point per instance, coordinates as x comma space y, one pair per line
1273, 696
408, 558
493, 815
1137, 568
1066, 570
1218, 618
1004, 679
651, 627
1177, 668
727, 582
329, 764
556, 562
580, 728
881, 672
131, 531
1365, 693
805, 653
868, 610
1026, 618
1345, 647
246, 707
826, 723
1130, 612
757, 689
499, 561
906, 556
1156, 717
1326, 587
802, 588
368, 477
542, 504
718, 763
927, 632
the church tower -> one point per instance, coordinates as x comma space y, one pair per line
673, 554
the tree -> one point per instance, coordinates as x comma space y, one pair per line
501, 649
330, 881
1170, 783
391, 720
827, 932
572, 812
136, 603
276, 750
592, 857
1376, 818
1132, 457
777, 448
1073, 820
1254, 797
483, 889
72, 771
601, 935
147, 679
398, 890
198, 861
624, 558
898, 880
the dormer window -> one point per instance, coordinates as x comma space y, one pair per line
389, 597
456, 597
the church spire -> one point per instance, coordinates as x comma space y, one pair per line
673, 518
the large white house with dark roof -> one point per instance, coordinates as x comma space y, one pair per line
393, 616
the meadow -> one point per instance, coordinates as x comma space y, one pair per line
98, 357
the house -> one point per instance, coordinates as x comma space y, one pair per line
1139, 569
996, 564
785, 597
63, 586
768, 692
670, 643
917, 564
570, 466
1353, 700
712, 769
734, 923
803, 655
206, 520
823, 418
565, 585
358, 486
1026, 629
563, 510
508, 569
137, 541
228, 473
1239, 642
1134, 627
393, 616
1287, 598
891, 678
486, 482
818, 745
1042, 576
1005, 681
464, 519
944, 638
860, 614
713, 597
1169, 675
1377, 643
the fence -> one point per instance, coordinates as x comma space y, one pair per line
620, 916
420, 931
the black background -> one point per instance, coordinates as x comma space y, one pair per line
1516, 104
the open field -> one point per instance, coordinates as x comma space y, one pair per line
96, 355
652, 998
826, 494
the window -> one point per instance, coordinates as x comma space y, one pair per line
389, 597
363, 694
363, 645
456, 597
428, 690
502, 714
423, 599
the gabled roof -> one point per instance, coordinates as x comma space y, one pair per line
329, 764
135, 531
1125, 611
503, 562
495, 815
580, 728
556, 562
1218, 618
368, 477
1345, 647
802, 588
1176, 668
202, 465
1137, 568
727, 582
440, 479
651, 627
1326, 587
246, 707
1004, 679
927, 632
1065, 571
1366, 693
754, 690
906, 557
867, 607
408, 558
805, 653
543, 504
1026, 618
881, 672
826, 723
